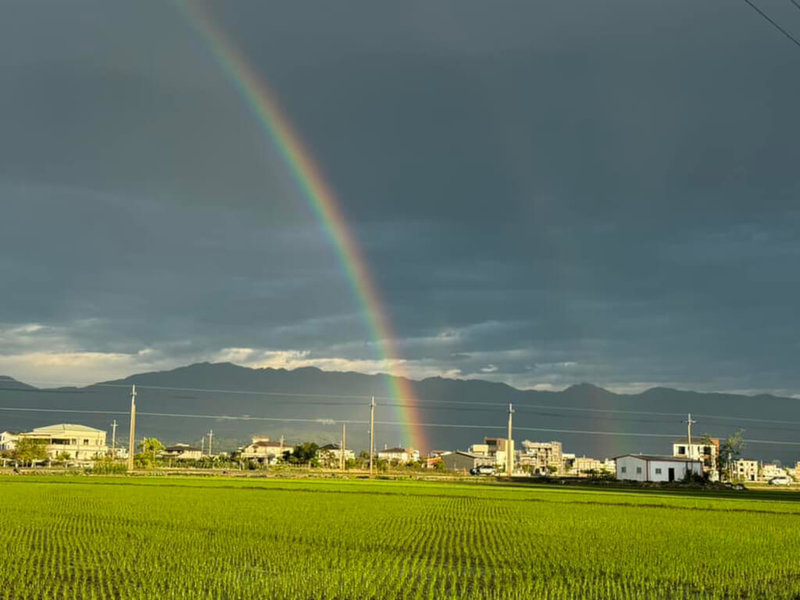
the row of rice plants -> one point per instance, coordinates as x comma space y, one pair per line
87, 540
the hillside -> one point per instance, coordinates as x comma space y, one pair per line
237, 402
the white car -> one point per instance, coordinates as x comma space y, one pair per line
780, 481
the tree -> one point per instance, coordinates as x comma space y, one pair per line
731, 449
30, 449
150, 447
303, 453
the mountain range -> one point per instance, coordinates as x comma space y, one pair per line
184, 404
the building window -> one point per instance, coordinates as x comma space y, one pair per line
658, 471
707, 450
681, 449
638, 470
624, 469
85, 442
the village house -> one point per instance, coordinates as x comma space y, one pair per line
399, 455
182, 452
745, 470
264, 451
697, 450
641, 467
330, 455
77, 442
768, 471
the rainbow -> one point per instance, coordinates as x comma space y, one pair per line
278, 129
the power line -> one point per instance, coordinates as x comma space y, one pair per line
323, 421
797, 5
772, 22
422, 403
427, 403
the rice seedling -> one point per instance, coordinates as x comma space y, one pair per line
221, 538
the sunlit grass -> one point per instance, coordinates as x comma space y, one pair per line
229, 538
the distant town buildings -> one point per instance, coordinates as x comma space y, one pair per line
73, 442
584, 466
542, 458
768, 471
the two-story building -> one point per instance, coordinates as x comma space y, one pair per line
697, 449
330, 455
77, 442
745, 470
264, 451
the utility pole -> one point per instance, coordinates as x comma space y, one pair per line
114, 439
343, 446
730, 468
510, 442
210, 438
371, 433
132, 438
689, 423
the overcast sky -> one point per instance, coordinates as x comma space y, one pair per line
545, 192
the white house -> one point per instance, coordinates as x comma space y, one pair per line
697, 450
401, 455
79, 442
331, 454
182, 452
641, 467
745, 470
262, 450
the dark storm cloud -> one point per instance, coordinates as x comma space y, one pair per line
545, 192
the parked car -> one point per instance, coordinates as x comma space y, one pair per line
780, 481
482, 470
734, 486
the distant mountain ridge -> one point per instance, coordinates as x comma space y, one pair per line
183, 404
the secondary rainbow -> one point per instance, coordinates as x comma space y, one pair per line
276, 125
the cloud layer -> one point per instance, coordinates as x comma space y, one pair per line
545, 193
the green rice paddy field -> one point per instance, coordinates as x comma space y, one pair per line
154, 537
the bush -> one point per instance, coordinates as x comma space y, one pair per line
108, 466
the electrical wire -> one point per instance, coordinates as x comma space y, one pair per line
417, 403
327, 421
774, 23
